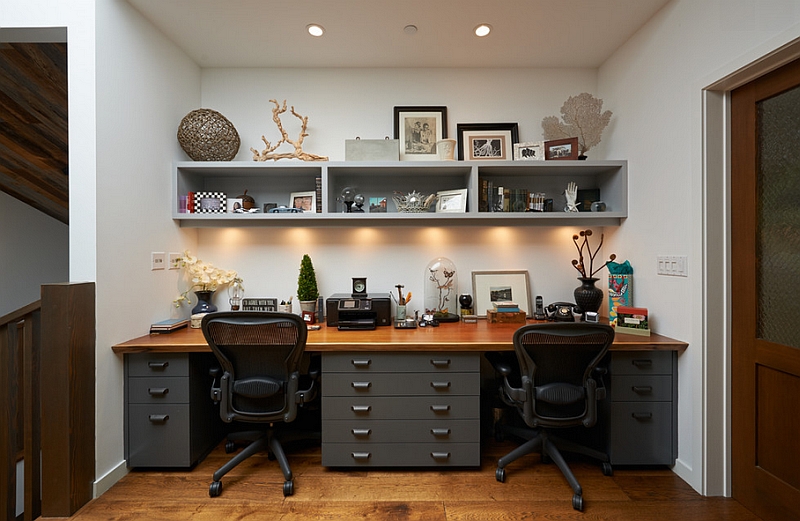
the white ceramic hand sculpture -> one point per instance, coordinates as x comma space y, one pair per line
571, 195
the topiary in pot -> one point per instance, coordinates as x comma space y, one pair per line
307, 283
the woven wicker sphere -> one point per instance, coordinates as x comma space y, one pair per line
207, 135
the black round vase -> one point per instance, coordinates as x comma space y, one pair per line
587, 296
204, 304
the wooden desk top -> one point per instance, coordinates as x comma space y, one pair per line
456, 336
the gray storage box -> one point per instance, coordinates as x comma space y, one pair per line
372, 149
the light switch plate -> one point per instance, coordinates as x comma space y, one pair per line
173, 260
158, 260
673, 265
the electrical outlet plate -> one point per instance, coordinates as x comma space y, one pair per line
673, 265
158, 260
173, 260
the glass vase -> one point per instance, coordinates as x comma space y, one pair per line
204, 304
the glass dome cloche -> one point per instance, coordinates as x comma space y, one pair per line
441, 290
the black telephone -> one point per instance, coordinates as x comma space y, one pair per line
563, 312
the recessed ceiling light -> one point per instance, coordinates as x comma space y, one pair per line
315, 30
410, 29
483, 30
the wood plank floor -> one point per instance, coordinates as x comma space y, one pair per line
532, 491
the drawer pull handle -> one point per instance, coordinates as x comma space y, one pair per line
157, 365
360, 408
642, 363
158, 391
361, 432
440, 432
361, 385
158, 418
361, 363
440, 362
440, 385
642, 389
642, 415
360, 455
440, 408
440, 455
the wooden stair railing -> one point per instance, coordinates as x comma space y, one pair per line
47, 394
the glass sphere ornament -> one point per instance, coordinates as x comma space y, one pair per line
441, 290
348, 197
358, 199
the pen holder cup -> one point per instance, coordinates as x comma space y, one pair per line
401, 313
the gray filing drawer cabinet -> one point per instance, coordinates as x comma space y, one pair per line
417, 409
171, 420
643, 409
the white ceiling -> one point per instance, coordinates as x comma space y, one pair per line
369, 33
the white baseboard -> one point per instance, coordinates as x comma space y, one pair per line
108, 480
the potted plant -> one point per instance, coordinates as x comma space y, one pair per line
307, 292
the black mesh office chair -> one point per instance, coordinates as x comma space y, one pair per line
259, 354
557, 385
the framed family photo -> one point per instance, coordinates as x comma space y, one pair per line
306, 201
503, 285
418, 129
486, 141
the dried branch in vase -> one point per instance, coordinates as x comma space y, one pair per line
583, 118
579, 263
298, 153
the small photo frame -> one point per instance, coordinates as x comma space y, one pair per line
530, 151
377, 205
561, 149
503, 285
451, 201
235, 205
210, 202
418, 129
306, 201
486, 141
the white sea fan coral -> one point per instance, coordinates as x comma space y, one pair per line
583, 118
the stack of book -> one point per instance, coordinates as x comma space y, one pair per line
169, 325
505, 306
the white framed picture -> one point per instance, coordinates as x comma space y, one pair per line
502, 285
306, 201
530, 151
452, 201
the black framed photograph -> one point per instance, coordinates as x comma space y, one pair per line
210, 202
486, 141
418, 129
306, 201
501, 286
561, 149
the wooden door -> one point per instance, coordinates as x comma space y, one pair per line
765, 296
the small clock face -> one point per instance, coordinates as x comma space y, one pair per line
359, 286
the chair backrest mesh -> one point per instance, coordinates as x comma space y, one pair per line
252, 346
561, 353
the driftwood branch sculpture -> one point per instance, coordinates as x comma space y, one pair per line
268, 152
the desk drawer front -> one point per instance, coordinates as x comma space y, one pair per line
400, 362
641, 388
158, 364
641, 433
408, 384
159, 435
401, 454
401, 431
158, 390
397, 408
641, 362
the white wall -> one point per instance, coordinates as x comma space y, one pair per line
655, 83
29, 263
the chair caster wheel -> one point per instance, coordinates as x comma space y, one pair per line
288, 488
500, 475
229, 447
215, 489
577, 502
608, 470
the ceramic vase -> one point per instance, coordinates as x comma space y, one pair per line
204, 304
587, 296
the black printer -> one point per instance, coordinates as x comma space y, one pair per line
351, 313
